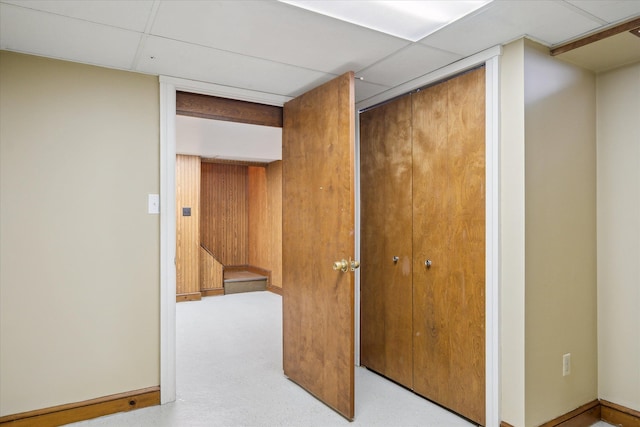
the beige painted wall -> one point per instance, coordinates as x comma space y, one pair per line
560, 235
79, 254
618, 94
512, 370
548, 235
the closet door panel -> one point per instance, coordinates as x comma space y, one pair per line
372, 242
467, 245
386, 293
398, 233
431, 200
449, 230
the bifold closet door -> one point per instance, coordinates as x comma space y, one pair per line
449, 234
386, 236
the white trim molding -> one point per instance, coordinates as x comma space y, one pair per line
492, 241
168, 88
225, 91
167, 243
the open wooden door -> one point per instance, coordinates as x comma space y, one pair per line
318, 230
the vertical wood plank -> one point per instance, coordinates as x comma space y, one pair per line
187, 227
274, 197
265, 219
259, 245
211, 272
224, 223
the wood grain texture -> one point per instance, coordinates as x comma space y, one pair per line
190, 296
274, 198
224, 212
86, 410
582, 416
275, 289
187, 227
259, 249
318, 229
386, 232
265, 219
233, 110
212, 292
211, 272
449, 229
619, 415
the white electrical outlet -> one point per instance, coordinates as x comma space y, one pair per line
153, 202
566, 364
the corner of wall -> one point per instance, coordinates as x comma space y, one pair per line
560, 235
512, 357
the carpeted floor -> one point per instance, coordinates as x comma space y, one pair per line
229, 373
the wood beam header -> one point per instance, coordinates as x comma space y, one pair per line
232, 110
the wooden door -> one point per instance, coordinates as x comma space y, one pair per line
386, 232
318, 229
449, 230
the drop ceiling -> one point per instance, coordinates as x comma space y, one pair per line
276, 48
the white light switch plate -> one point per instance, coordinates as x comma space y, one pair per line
154, 203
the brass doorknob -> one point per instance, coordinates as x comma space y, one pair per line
345, 265
341, 265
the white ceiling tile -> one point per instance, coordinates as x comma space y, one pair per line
275, 31
365, 90
127, 14
609, 10
26, 30
502, 21
173, 58
407, 64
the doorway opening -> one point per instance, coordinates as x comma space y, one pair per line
168, 151
228, 198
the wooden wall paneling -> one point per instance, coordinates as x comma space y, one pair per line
386, 286
233, 110
449, 229
211, 273
224, 222
187, 227
259, 244
274, 198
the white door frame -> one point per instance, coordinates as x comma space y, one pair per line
168, 88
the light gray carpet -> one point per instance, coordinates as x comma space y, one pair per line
229, 373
